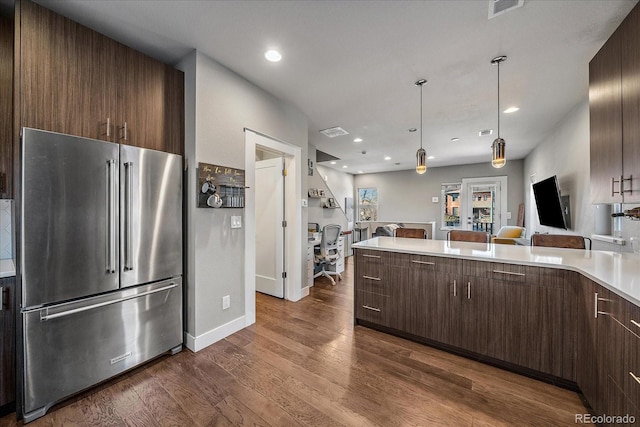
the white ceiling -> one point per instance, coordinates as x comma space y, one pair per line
354, 63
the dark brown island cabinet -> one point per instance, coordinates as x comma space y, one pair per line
60, 76
548, 323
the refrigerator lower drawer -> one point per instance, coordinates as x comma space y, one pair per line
72, 346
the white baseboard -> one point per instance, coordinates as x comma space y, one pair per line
305, 292
205, 340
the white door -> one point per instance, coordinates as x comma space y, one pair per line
484, 204
269, 227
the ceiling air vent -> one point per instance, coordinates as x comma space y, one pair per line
498, 7
333, 132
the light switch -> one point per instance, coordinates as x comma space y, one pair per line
508, 215
305, 203
236, 222
434, 199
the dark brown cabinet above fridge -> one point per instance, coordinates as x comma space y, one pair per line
79, 82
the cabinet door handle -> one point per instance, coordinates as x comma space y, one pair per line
422, 262
468, 290
634, 377
454, 288
595, 314
630, 179
377, 279
613, 192
633, 322
124, 131
108, 132
4, 305
371, 256
377, 310
509, 273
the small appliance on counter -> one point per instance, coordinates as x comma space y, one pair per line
100, 263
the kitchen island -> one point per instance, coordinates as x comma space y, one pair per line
566, 316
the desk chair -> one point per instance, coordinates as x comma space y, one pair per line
468, 236
412, 233
559, 241
327, 253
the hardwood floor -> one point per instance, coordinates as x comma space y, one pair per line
306, 364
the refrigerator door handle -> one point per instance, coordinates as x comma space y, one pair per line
44, 316
111, 214
128, 166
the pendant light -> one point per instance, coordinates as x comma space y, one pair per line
421, 155
498, 147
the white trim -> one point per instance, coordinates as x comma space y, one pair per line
305, 291
196, 344
293, 216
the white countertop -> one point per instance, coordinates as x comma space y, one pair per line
618, 272
7, 269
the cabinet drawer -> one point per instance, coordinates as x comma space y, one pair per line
372, 307
374, 271
365, 257
374, 285
497, 271
419, 262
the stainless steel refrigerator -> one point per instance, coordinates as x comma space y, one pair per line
100, 263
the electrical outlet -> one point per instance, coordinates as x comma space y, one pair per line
226, 302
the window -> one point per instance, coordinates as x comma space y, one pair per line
367, 204
451, 205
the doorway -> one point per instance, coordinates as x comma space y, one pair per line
293, 239
484, 206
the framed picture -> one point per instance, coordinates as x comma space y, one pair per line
310, 165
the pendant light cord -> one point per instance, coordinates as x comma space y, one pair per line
498, 100
421, 114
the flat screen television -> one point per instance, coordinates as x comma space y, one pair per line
549, 203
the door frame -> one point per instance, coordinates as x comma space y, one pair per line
293, 215
500, 210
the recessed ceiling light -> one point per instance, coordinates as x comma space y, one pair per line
455, 139
273, 55
357, 140
359, 171
345, 166
431, 157
387, 158
511, 110
333, 163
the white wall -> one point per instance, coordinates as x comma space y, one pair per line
340, 184
565, 153
219, 105
405, 196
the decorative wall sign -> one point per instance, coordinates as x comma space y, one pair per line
220, 186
